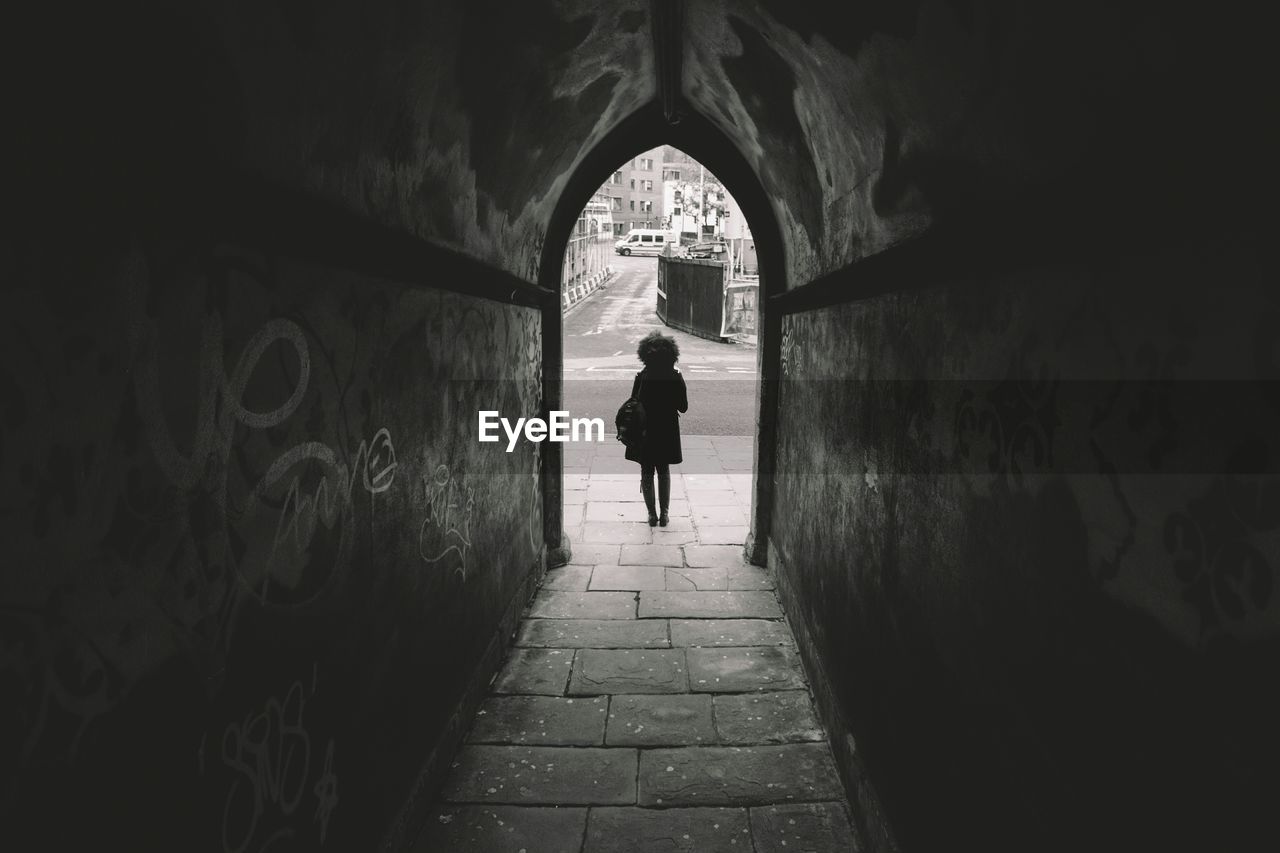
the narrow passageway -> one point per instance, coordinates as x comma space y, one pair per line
653, 699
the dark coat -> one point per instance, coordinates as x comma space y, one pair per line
663, 394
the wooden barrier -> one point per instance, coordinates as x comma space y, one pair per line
691, 295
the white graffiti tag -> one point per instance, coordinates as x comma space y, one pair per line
445, 535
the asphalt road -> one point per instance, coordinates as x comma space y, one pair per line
600, 337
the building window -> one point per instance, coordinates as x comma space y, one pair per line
675, 211
617, 202
633, 205
633, 183
617, 178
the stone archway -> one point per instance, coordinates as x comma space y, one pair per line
700, 138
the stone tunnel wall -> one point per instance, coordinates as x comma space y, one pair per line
255, 556
871, 124
1027, 529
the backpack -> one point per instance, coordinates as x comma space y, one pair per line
630, 421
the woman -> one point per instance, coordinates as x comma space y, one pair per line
660, 389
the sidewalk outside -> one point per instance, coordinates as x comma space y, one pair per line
602, 500
653, 699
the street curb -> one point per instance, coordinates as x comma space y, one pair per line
577, 295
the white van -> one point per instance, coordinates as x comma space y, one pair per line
645, 241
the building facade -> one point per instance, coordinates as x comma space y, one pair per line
635, 193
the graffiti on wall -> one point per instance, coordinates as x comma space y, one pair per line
1015, 421
444, 538
276, 779
1217, 546
326, 503
243, 437
1131, 443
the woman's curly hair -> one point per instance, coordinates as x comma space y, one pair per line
658, 350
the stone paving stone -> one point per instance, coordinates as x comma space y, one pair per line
612, 465
593, 554
736, 461
710, 580
605, 511
502, 829
670, 535
594, 633
728, 632
696, 580
710, 465
631, 511
697, 482
651, 555
734, 775
704, 452
628, 578
813, 827
616, 532
626, 489
723, 535
540, 721
633, 830
714, 556
615, 490
748, 718
530, 775
740, 670
555, 604
615, 511
600, 671
660, 721
535, 671
568, 578
713, 497
708, 605
749, 577
718, 516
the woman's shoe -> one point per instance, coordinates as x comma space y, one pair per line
646, 489
662, 519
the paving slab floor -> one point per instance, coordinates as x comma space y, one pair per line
653, 699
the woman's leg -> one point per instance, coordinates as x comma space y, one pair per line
664, 492
646, 489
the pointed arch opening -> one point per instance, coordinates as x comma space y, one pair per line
708, 144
